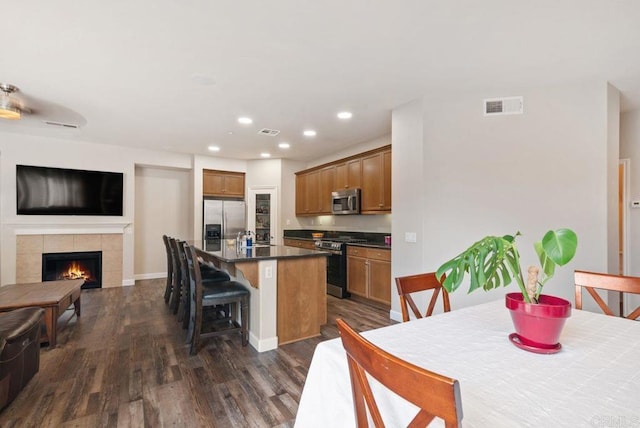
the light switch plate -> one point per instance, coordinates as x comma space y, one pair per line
410, 237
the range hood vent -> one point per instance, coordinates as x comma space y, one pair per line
269, 132
502, 106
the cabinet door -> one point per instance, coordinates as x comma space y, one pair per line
301, 194
327, 184
212, 183
386, 180
372, 168
348, 175
376, 182
234, 185
313, 205
380, 281
357, 276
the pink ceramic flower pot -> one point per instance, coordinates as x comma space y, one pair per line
538, 325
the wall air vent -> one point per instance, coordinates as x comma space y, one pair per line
269, 132
501, 106
62, 125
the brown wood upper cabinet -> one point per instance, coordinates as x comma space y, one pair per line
369, 171
348, 174
376, 182
313, 191
225, 184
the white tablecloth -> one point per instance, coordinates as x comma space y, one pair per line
594, 381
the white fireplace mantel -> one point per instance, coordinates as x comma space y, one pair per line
68, 228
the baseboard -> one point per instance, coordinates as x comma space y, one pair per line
264, 344
154, 275
128, 282
395, 315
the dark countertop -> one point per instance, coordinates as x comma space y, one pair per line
370, 245
355, 244
229, 254
302, 239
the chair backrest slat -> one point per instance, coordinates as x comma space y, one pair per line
436, 395
590, 281
421, 282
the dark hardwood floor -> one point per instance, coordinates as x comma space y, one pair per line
124, 363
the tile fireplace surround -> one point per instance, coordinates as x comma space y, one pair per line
29, 250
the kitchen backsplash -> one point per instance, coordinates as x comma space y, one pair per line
371, 237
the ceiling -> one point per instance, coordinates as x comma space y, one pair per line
176, 74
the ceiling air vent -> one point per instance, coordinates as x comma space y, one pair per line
62, 125
269, 132
500, 106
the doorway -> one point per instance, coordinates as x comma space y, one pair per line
262, 215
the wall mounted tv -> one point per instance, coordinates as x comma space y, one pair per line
57, 191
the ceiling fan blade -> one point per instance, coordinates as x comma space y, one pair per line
47, 111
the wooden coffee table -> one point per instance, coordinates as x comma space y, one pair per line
52, 296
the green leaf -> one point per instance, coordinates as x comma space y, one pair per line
548, 265
560, 245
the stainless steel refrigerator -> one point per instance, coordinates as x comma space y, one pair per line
223, 219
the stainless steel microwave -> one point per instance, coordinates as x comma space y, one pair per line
345, 201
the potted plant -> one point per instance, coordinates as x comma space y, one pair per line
495, 261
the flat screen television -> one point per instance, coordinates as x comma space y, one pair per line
58, 191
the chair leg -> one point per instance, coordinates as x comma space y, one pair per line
187, 312
175, 297
168, 289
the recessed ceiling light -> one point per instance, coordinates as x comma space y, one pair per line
265, 155
345, 115
245, 120
284, 145
214, 148
309, 133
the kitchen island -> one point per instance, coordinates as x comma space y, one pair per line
287, 284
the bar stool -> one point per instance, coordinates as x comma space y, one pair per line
222, 293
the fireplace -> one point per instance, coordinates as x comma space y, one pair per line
85, 265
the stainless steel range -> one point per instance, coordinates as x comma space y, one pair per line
337, 263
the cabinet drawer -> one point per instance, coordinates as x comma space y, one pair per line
309, 245
369, 253
356, 251
376, 254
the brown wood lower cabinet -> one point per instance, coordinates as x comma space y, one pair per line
300, 243
369, 273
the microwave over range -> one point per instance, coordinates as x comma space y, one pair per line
345, 201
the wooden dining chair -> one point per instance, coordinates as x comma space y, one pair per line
590, 281
435, 395
230, 293
420, 282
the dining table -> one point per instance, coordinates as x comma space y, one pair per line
593, 380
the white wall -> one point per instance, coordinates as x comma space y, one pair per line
57, 152
545, 169
630, 149
613, 160
162, 207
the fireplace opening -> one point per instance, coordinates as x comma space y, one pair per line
85, 265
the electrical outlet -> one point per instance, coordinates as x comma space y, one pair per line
268, 272
288, 222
